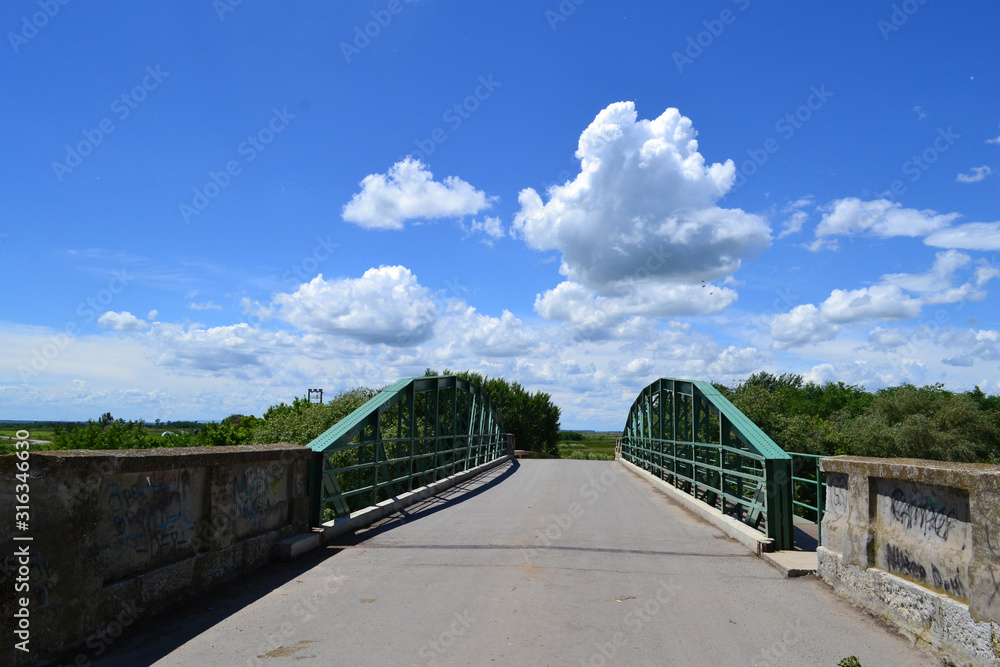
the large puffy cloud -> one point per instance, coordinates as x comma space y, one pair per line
481, 335
408, 192
385, 305
641, 208
881, 302
880, 217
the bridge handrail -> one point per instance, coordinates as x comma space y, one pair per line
447, 437
741, 471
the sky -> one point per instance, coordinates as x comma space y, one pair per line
210, 207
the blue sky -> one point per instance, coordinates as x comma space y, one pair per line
210, 207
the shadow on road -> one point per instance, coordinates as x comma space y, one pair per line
156, 636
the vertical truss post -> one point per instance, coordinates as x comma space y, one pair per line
314, 472
778, 474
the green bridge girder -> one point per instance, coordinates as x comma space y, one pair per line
410, 434
688, 434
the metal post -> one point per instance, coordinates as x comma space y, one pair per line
778, 490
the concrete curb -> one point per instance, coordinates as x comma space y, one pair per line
754, 540
300, 544
793, 563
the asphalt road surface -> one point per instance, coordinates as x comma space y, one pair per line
537, 562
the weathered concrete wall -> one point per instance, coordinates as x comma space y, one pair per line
118, 534
918, 541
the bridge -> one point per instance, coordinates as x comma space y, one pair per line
430, 544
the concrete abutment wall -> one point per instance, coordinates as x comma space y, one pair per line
918, 543
118, 534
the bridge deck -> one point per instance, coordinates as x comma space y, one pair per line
534, 563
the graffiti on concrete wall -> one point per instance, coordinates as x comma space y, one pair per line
901, 561
923, 513
150, 517
836, 495
256, 490
925, 534
40, 576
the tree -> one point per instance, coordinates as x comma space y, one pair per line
532, 417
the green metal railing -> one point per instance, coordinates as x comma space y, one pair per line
411, 434
808, 488
688, 434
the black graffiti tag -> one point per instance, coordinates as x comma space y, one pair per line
928, 516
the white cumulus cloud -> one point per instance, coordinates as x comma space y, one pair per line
801, 326
385, 305
880, 302
642, 207
409, 192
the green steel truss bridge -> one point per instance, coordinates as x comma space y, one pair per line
560, 562
420, 430
411, 434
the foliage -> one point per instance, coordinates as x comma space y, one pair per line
906, 421
570, 436
532, 418
303, 421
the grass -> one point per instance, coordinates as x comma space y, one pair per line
593, 447
40, 434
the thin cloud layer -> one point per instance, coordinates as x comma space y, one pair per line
897, 296
123, 321
977, 174
970, 236
409, 192
880, 217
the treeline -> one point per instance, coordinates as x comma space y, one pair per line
906, 421
531, 417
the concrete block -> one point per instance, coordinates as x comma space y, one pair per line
292, 547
